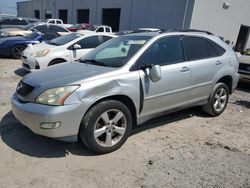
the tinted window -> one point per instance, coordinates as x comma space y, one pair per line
199, 48
32, 35
107, 29
106, 38
55, 28
6, 22
41, 28
100, 29
49, 36
89, 42
165, 51
217, 48
51, 21
64, 39
58, 22
19, 22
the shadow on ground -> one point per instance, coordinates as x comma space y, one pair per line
21, 139
21, 72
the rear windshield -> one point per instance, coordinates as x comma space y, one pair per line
64, 39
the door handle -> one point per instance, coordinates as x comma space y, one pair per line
185, 69
218, 62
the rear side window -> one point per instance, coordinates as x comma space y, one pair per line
200, 48
89, 42
108, 29
218, 49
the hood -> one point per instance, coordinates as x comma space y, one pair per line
2, 40
244, 59
37, 47
65, 74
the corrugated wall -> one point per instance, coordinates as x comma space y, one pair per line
210, 15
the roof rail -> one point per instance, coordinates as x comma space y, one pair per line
190, 30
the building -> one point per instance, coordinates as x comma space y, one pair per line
229, 19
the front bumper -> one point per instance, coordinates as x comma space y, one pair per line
32, 115
244, 75
5, 52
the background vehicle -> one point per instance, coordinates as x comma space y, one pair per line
76, 27
244, 66
16, 22
62, 49
43, 28
14, 46
58, 22
97, 29
126, 81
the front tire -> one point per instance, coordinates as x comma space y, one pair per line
106, 126
16, 51
218, 100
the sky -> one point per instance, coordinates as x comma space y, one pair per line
8, 6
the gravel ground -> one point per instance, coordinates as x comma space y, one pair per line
184, 149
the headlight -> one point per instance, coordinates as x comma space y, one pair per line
41, 53
4, 34
56, 96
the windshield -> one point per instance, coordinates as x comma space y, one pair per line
116, 52
64, 39
247, 52
32, 35
27, 27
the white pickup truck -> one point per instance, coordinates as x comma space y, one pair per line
58, 22
97, 29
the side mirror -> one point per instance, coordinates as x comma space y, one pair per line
155, 73
76, 46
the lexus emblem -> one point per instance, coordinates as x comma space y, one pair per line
19, 86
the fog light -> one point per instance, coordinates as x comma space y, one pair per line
50, 125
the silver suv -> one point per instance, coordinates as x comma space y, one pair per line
126, 81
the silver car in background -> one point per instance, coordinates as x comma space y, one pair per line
125, 82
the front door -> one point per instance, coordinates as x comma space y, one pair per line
172, 90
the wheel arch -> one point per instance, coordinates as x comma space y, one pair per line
228, 80
123, 99
61, 59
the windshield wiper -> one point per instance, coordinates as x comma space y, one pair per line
93, 62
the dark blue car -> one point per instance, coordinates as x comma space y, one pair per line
14, 46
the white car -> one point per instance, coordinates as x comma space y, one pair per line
67, 48
97, 29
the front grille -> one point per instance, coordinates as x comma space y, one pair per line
23, 89
245, 67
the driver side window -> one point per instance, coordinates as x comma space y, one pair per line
165, 51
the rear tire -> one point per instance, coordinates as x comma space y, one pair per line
218, 100
56, 61
16, 51
106, 126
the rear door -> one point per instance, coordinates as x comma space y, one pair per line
205, 60
172, 90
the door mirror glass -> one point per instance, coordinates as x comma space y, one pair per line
155, 73
76, 46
